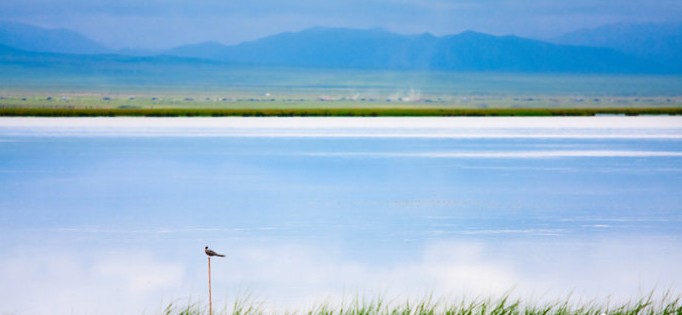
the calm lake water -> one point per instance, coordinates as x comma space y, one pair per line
110, 215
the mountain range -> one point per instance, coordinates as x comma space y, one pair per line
36, 39
654, 49
656, 41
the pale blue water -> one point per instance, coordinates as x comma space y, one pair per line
520, 202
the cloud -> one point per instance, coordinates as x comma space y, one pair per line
60, 282
615, 269
290, 276
287, 275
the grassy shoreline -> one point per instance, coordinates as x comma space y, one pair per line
665, 305
328, 112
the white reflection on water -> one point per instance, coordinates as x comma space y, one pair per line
506, 155
663, 127
315, 210
295, 276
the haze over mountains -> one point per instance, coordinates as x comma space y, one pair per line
662, 42
31, 38
620, 48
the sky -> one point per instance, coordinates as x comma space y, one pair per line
159, 24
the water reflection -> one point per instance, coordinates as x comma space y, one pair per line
315, 209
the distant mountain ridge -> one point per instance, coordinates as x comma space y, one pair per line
343, 48
659, 41
31, 38
379, 49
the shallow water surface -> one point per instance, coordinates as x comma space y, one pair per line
316, 209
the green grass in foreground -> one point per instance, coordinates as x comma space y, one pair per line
666, 305
329, 112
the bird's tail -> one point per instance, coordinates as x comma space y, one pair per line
219, 255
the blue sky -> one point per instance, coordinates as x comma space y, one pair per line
166, 23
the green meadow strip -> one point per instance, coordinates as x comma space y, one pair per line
328, 112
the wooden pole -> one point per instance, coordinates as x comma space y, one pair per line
210, 300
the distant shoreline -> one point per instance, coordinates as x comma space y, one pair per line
332, 112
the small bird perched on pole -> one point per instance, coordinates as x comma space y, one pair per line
210, 252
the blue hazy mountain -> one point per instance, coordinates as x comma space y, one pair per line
341, 49
89, 62
379, 49
31, 38
655, 41
475, 51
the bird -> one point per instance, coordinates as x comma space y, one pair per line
210, 252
